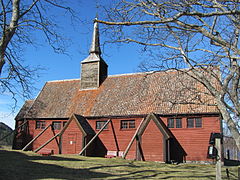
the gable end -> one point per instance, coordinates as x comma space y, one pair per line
161, 126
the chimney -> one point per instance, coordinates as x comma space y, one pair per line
94, 69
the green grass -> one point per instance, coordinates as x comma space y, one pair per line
5, 147
30, 166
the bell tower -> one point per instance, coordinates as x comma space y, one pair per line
94, 69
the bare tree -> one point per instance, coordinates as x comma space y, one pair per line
19, 19
200, 35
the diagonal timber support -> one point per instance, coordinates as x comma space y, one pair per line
25, 147
133, 138
46, 143
94, 137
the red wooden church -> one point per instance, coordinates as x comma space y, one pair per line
154, 116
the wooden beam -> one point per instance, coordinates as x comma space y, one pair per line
131, 142
60, 144
25, 147
13, 131
139, 146
47, 142
94, 137
54, 135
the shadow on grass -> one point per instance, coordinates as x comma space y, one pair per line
21, 166
16, 165
171, 174
231, 162
52, 158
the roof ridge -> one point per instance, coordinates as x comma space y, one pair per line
64, 80
113, 75
116, 75
139, 73
129, 74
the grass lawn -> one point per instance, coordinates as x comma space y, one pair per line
30, 166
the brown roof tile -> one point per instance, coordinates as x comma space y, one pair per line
23, 111
169, 92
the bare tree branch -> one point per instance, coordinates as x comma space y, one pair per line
18, 21
200, 35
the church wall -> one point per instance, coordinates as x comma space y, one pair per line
22, 135
116, 139
72, 139
152, 143
195, 141
49, 133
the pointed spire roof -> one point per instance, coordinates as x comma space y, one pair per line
95, 46
95, 51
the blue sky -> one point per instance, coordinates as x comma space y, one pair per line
121, 60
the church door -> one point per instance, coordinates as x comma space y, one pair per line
72, 143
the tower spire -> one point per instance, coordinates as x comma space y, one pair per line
94, 69
95, 46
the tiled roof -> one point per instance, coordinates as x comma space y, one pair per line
169, 92
24, 109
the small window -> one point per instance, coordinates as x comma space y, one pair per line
127, 124
40, 124
190, 123
174, 123
100, 124
194, 122
132, 124
178, 123
198, 122
56, 125
170, 123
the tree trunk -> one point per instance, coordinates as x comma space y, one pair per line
8, 32
230, 123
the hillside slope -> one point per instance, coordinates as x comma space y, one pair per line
4, 130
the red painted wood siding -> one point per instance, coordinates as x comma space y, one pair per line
72, 139
195, 141
123, 136
152, 143
53, 145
